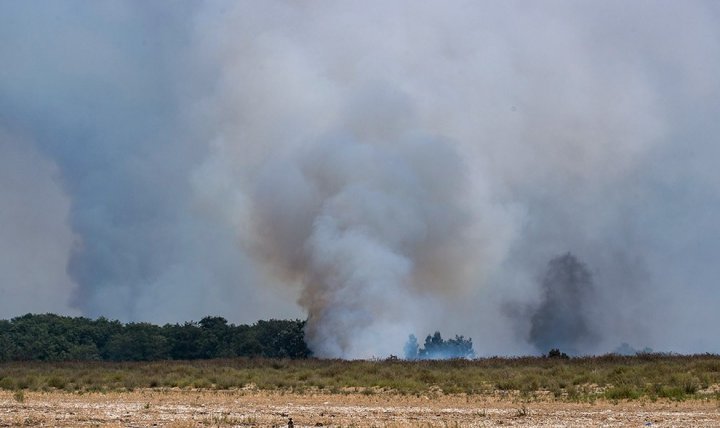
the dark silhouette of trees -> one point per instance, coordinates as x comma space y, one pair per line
555, 353
52, 337
137, 342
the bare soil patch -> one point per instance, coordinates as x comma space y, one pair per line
243, 408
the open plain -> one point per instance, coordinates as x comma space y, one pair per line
252, 408
609, 391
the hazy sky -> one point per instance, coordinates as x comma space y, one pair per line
383, 168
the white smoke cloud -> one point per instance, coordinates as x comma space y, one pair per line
393, 167
558, 113
366, 229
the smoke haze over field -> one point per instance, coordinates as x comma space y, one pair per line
562, 319
380, 168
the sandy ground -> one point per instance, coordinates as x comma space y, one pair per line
176, 408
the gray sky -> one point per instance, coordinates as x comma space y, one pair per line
384, 168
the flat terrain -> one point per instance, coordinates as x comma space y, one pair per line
577, 379
252, 408
645, 390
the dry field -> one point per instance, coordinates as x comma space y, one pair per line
252, 408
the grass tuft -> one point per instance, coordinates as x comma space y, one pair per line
577, 379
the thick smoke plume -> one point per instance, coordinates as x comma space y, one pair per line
381, 168
366, 227
562, 319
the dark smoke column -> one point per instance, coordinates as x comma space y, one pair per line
561, 320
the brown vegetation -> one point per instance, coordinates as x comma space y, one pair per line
578, 379
175, 408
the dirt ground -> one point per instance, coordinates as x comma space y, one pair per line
183, 408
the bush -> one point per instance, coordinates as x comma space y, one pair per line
555, 353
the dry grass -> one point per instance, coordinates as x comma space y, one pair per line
242, 408
578, 379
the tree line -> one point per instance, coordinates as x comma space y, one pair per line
437, 348
49, 337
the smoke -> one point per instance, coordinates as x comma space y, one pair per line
366, 228
98, 89
34, 232
561, 320
382, 169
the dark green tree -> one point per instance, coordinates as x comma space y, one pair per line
138, 342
